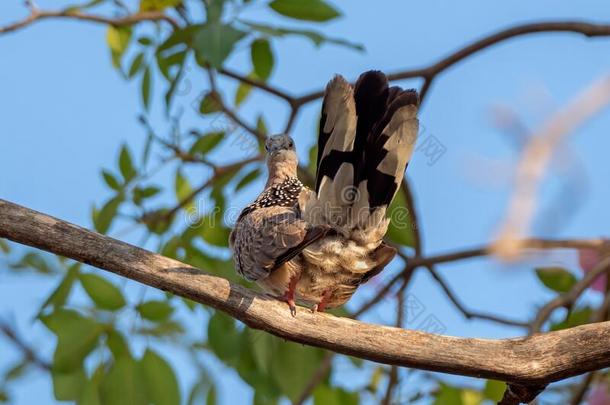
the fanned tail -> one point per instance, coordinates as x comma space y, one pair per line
366, 138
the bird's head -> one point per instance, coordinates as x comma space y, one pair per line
281, 158
278, 143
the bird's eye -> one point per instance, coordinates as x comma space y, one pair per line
290, 144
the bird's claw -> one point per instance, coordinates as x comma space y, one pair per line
293, 310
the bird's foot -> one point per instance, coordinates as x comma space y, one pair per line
289, 296
321, 306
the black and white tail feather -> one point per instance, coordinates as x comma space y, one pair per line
366, 138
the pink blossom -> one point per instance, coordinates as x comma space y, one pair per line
599, 395
588, 259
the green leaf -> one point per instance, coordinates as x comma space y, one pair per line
68, 386
60, 295
448, 395
494, 390
325, 395
124, 384
574, 318
160, 380
224, 338
136, 65
146, 84
196, 395
316, 37
309, 10
76, 337
213, 9
262, 346
262, 58
211, 397
261, 126
158, 221
183, 190
401, 229
17, 370
35, 261
167, 60
556, 278
4, 247
163, 329
90, 394
117, 344
293, 380
140, 194
89, 4
313, 159
209, 104
214, 232
205, 143
103, 219
156, 310
103, 293
248, 178
214, 42
146, 41
471, 397
126, 164
158, 5
118, 41
243, 91
111, 181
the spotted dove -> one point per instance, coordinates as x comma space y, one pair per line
317, 247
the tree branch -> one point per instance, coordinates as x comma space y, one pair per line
536, 157
37, 15
430, 72
529, 361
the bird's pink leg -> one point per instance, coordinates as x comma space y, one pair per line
321, 306
289, 294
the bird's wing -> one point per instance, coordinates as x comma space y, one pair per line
263, 236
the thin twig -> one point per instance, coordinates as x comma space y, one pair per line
27, 351
258, 84
582, 388
468, 314
215, 95
37, 15
531, 243
393, 378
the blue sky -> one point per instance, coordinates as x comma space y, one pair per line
64, 111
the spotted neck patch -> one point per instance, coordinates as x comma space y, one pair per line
284, 194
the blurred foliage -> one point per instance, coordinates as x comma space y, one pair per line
110, 337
